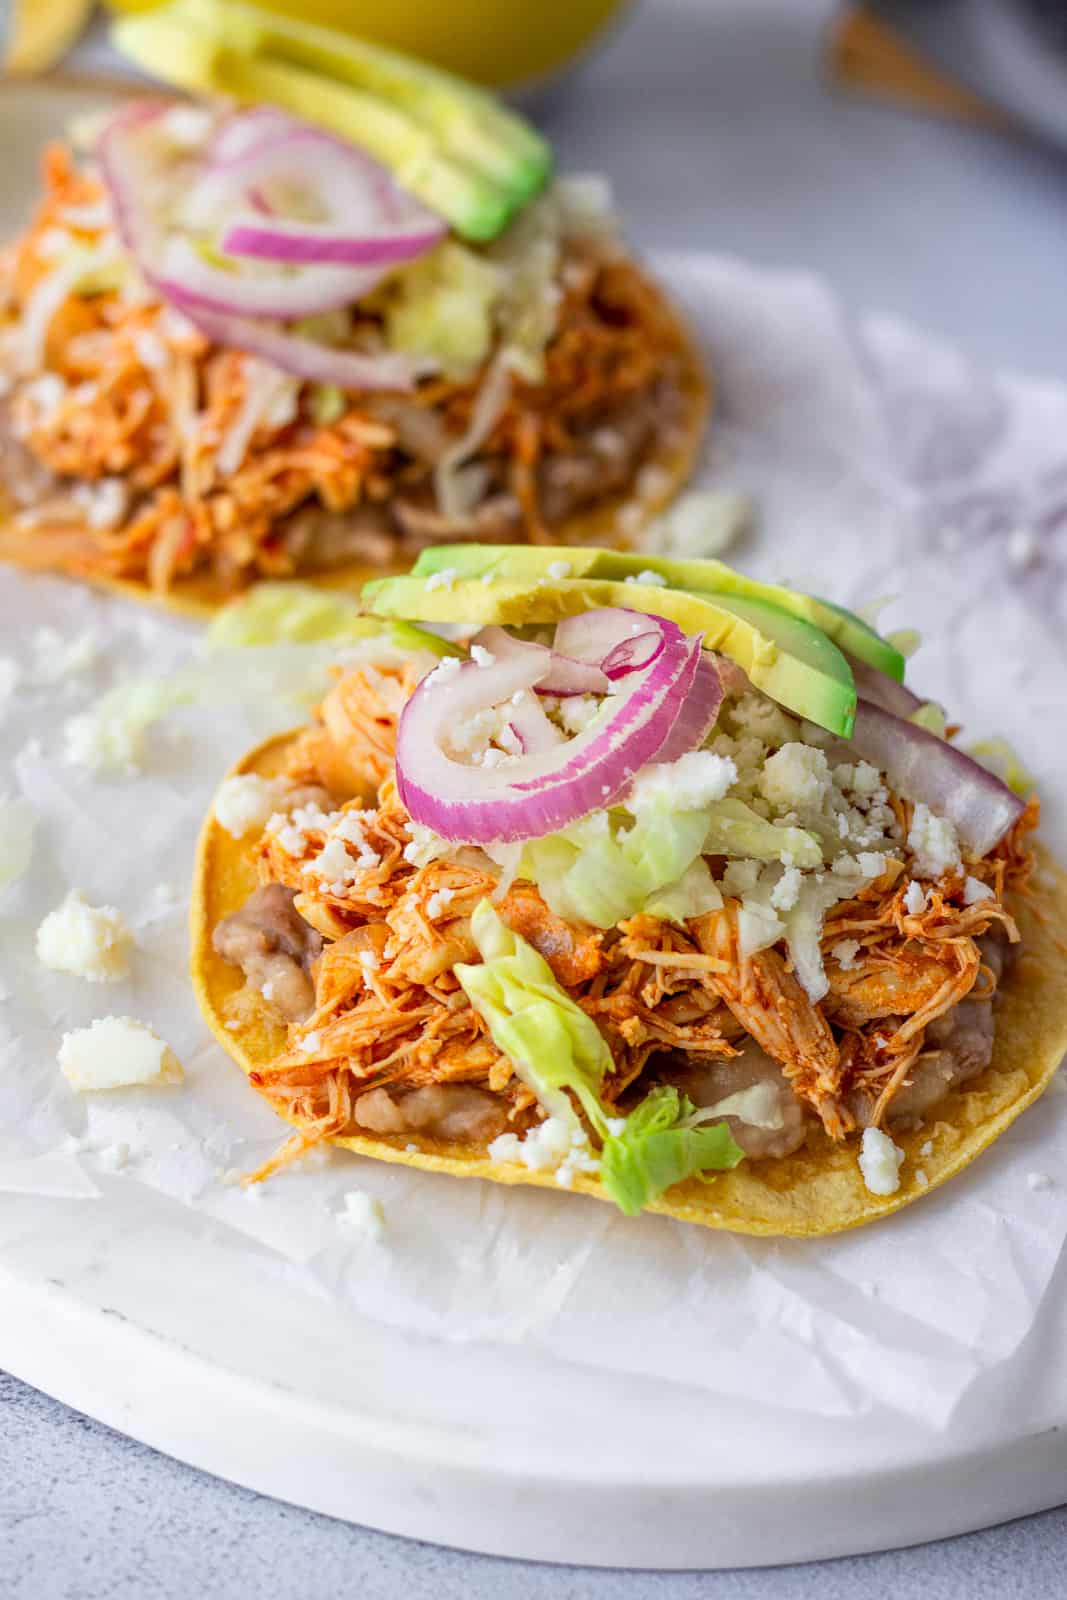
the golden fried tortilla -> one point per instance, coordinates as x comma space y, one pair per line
669, 466
820, 1189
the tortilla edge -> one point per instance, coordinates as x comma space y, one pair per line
694, 1200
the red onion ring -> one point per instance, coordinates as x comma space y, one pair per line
131, 183
699, 714
536, 794
317, 363
630, 655
563, 677
881, 690
922, 767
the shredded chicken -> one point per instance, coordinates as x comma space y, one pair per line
392, 1045
206, 475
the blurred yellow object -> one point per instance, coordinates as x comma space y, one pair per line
40, 31
503, 43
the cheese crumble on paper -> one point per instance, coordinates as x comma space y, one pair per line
91, 942
117, 1053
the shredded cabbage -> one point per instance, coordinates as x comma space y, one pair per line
661, 1144
930, 716
607, 866
999, 757
695, 893
735, 829
548, 1039
441, 308
554, 1047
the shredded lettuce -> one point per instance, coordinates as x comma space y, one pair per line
906, 640
660, 1144
930, 716
734, 829
548, 1039
554, 1047
441, 307
328, 404
998, 756
695, 893
298, 613
607, 866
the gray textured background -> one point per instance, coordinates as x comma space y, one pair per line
715, 123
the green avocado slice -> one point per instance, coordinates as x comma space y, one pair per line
786, 657
206, 49
468, 123
528, 563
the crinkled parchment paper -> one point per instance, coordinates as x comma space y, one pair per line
883, 466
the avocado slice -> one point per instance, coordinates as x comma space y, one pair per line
530, 563
470, 161
786, 657
468, 124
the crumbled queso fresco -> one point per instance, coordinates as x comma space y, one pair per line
552, 1145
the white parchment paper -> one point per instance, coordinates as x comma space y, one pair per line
882, 466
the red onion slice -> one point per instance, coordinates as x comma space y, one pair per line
299, 243
700, 712
304, 358
922, 767
562, 677
532, 727
592, 635
632, 654
382, 226
533, 795
881, 690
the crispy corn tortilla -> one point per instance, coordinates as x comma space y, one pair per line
818, 1190
201, 594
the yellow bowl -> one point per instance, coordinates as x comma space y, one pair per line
505, 43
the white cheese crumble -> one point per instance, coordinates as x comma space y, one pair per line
363, 1212
441, 580
311, 1042
87, 941
796, 776
576, 711
369, 961
845, 952
915, 899
116, 1053
552, 1144
424, 845
646, 575
880, 1161
246, 802
934, 843
786, 891
113, 1157
690, 783
560, 569
481, 656
446, 668
701, 523
55, 657
927, 1149
974, 891
439, 902
921, 1179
